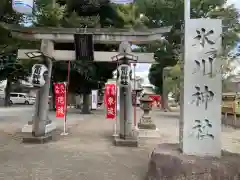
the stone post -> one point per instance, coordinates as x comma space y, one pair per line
126, 113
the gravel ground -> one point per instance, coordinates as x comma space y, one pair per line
87, 152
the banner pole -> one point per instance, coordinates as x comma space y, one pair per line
135, 97
66, 99
116, 106
116, 111
65, 116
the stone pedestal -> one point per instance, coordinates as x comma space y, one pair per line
147, 133
167, 163
128, 141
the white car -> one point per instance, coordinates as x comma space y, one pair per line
21, 98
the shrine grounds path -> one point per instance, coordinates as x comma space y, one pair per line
87, 152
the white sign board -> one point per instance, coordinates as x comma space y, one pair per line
23, 6
37, 76
94, 99
124, 72
121, 1
202, 88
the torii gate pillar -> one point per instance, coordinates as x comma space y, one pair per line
40, 128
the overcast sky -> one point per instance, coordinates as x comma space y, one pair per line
235, 2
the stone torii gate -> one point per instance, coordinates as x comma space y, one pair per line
40, 127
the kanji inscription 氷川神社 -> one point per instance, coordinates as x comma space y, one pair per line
202, 88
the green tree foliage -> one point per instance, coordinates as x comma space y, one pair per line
171, 13
9, 69
7, 15
131, 16
85, 75
164, 56
173, 81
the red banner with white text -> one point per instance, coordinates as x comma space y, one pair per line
156, 100
60, 99
110, 100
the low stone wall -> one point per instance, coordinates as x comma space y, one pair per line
167, 163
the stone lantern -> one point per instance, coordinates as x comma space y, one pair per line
146, 120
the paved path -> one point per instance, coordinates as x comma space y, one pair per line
87, 153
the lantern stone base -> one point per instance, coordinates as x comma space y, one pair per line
148, 133
127, 142
146, 123
147, 126
27, 136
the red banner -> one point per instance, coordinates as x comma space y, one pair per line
60, 99
134, 98
156, 100
110, 100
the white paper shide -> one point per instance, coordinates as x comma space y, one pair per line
94, 99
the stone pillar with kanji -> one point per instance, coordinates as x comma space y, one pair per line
200, 130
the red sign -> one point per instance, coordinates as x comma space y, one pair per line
156, 100
60, 99
110, 100
134, 98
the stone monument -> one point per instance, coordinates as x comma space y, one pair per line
202, 88
200, 123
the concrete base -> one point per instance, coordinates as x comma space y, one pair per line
128, 142
166, 162
148, 133
115, 135
27, 128
146, 126
28, 138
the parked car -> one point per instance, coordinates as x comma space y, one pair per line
21, 98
